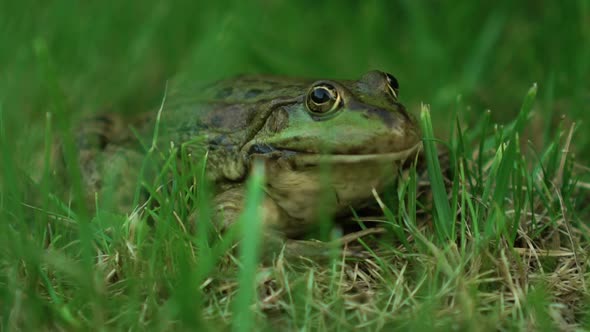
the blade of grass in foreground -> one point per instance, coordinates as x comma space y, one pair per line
249, 250
444, 223
517, 126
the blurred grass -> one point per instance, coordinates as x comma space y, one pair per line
73, 58
119, 54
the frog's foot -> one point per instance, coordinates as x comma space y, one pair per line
229, 205
318, 251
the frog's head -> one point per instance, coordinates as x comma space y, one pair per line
359, 128
343, 121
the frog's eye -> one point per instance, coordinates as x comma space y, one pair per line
323, 98
393, 85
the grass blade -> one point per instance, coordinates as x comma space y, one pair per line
250, 222
444, 222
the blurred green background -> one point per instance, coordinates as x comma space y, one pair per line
118, 54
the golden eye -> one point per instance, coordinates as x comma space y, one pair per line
393, 85
322, 98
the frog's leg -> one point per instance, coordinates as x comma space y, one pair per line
228, 207
108, 165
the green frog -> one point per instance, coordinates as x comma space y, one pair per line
358, 128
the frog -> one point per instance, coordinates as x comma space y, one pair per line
291, 126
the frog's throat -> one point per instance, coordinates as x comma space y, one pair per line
313, 158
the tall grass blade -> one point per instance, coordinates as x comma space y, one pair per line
445, 222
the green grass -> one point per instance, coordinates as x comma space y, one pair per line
492, 236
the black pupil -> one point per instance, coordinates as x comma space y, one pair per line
393, 82
320, 95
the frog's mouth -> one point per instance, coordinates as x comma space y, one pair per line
308, 158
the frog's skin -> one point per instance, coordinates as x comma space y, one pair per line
358, 127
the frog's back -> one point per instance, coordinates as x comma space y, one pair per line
243, 89
229, 111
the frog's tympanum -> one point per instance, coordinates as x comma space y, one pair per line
358, 128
